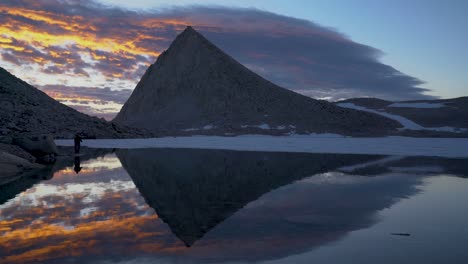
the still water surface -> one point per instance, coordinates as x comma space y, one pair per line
215, 206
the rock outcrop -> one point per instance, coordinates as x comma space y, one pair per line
17, 151
37, 145
195, 88
27, 110
42, 147
12, 166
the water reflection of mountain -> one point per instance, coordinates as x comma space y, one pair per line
246, 209
194, 190
248, 206
26, 181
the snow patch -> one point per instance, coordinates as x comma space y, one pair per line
264, 126
267, 127
261, 126
325, 135
405, 122
191, 129
207, 127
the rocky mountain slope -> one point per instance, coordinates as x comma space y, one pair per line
27, 110
443, 117
195, 88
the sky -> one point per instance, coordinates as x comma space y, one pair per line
91, 54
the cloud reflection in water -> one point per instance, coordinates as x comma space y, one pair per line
225, 205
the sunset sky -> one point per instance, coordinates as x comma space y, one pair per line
90, 55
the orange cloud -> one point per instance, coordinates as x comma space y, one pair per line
65, 44
68, 97
75, 29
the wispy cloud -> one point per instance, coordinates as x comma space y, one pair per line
83, 40
102, 102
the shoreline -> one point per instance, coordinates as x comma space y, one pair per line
327, 143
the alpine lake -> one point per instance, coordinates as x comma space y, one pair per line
219, 206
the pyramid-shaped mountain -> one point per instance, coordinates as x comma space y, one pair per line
26, 110
194, 87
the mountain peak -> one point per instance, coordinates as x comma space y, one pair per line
189, 32
189, 29
195, 86
189, 39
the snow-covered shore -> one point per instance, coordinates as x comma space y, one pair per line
405, 122
403, 146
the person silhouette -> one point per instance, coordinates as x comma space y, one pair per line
77, 141
77, 167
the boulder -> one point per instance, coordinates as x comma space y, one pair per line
12, 166
17, 151
47, 159
38, 146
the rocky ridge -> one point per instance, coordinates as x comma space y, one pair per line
25, 110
